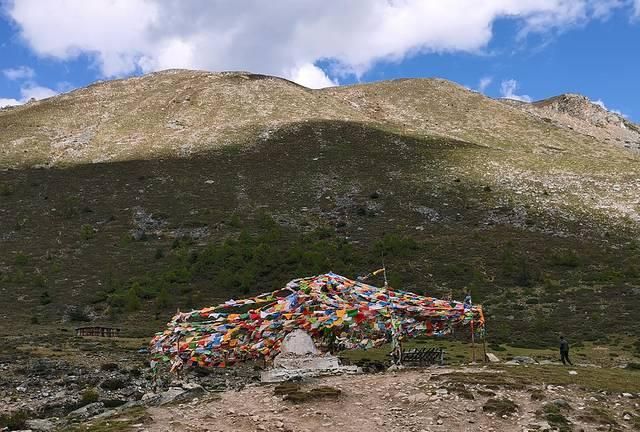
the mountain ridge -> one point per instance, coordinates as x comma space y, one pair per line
176, 113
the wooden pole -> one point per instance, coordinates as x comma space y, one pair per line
484, 344
473, 344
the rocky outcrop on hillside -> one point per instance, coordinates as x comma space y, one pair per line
579, 114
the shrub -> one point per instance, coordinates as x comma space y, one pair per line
39, 281
159, 254
88, 396
132, 301
21, 259
13, 421
109, 367
45, 299
86, 232
6, 189
235, 221
76, 313
500, 406
564, 258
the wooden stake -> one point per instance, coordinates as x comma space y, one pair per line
473, 344
484, 344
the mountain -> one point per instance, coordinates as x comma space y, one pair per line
125, 200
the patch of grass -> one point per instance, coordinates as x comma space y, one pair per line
599, 415
537, 395
293, 392
119, 423
592, 379
14, 421
500, 406
553, 414
88, 396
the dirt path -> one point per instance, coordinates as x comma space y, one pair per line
403, 401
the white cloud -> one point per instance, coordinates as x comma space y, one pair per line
508, 90
601, 104
28, 91
286, 37
636, 8
18, 73
4, 102
484, 83
311, 76
32, 91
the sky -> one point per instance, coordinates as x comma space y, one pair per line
520, 49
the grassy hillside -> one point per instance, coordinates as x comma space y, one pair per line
128, 242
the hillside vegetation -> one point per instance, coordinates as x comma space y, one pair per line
128, 199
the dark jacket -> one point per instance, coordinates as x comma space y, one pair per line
564, 345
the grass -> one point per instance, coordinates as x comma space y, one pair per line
592, 379
121, 422
344, 193
294, 392
555, 415
500, 407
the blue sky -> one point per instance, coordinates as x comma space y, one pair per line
516, 49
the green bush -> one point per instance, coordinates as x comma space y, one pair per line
39, 281
14, 421
6, 189
88, 396
86, 232
132, 301
21, 259
564, 258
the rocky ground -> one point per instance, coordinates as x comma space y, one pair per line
442, 399
53, 395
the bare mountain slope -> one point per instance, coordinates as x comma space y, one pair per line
171, 113
179, 113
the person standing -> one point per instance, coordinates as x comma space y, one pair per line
564, 351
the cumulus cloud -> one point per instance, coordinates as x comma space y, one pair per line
484, 83
6, 102
18, 73
601, 104
287, 37
311, 76
508, 90
28, 91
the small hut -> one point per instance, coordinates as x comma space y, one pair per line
98, 331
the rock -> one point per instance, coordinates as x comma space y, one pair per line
471, 409
439, 421
627, 417
493, 358
572, 372
87, 411
442, 392
40, 425
418, 397
179, 394
523, 360
627, 395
